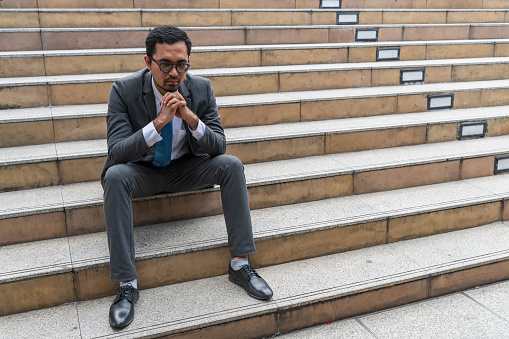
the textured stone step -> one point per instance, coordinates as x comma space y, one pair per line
30, 39
417, 4
358, 102
77, 208
314, 105
54, 18
354, 282
263, 143
480, 312
95, 88
66, 62
271, 79
43, 125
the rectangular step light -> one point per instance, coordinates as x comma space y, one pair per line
347, 18
330, 3
411, 75
501, 164
387, 53
440, 101
366, 34
469, 130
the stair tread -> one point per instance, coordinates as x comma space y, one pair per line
341, 275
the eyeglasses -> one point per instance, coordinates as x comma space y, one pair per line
166, 67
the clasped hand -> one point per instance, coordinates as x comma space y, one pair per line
174, 104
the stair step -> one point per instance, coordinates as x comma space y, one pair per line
69, 18
350, 284
13, 39
346, 4
34, 126
479, 312
67, 62
289, 78
242, 110
77, 208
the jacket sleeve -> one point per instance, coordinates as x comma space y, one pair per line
125, 141
214, 140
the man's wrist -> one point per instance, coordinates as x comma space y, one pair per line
192, 120
158, 124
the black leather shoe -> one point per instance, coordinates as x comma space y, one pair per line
254, 285
122, 309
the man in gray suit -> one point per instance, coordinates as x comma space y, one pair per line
165, 135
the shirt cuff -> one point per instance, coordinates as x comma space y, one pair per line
200, 131
150, 134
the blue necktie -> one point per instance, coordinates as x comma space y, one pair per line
163, 147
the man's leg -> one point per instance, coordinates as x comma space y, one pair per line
121, 183
228, 172
190, 173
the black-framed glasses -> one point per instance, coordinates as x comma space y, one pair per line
166, 67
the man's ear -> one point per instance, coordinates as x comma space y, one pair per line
147, 61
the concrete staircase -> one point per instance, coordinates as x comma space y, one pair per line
374, 144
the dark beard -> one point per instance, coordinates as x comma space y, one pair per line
171, 88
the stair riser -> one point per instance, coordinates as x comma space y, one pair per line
160, 4
38, 293
98, 92
252, 115
48, 131
94, 282
345, 4
78, 19
118, 63
55, 40
179, 19
359, 107
256, 327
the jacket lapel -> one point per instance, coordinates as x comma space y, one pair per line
148, 95
185, 93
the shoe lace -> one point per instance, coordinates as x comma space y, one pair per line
249, 270
126, 292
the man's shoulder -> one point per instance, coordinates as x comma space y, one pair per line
196, 81
133, 80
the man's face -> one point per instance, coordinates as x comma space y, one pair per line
174, 53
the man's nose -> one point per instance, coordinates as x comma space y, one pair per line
173, 71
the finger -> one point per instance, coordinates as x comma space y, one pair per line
167, 96
178, 96
170, 102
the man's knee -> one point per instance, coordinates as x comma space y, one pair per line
231, 163
117, 175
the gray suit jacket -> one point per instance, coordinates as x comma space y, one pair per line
132, 106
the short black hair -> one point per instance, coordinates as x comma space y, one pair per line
166, 34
